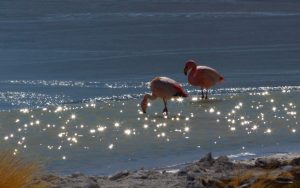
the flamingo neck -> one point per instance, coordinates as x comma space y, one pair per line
191, 70
145, 99
148, 96
144, 103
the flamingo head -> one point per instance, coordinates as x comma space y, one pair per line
144, 105
189, 65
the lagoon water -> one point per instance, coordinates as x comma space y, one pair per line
72, 74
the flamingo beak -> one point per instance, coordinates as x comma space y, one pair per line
185, 71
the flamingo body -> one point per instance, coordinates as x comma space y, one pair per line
202, 76
164, 88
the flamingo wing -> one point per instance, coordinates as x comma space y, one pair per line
167, 88
207, 77
179, 91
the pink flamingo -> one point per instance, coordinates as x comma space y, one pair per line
164, 88
202, 76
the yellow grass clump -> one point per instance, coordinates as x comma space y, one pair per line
16, 172
267, 179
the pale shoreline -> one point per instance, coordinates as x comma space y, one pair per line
281, 169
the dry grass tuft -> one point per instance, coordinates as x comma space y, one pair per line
16, 172
267, 179
239, 179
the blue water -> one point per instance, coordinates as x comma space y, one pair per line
129, 42
56, 53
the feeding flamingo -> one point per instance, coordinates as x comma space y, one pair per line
202, 76
164, 88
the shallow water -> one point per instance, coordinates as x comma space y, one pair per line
103, 137
94, 61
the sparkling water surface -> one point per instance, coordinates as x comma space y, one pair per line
106, 136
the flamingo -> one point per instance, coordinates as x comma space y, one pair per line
203, 76
164, 88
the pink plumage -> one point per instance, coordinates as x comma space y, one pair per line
164, 88
202, 76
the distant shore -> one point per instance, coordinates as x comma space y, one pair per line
280, 170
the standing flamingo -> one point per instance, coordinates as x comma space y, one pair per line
164, 88
202, 76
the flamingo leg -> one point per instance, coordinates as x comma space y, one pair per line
202, 93
206, 94
165, 109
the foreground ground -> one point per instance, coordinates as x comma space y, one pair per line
274, 171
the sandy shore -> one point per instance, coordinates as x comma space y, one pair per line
281, 170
